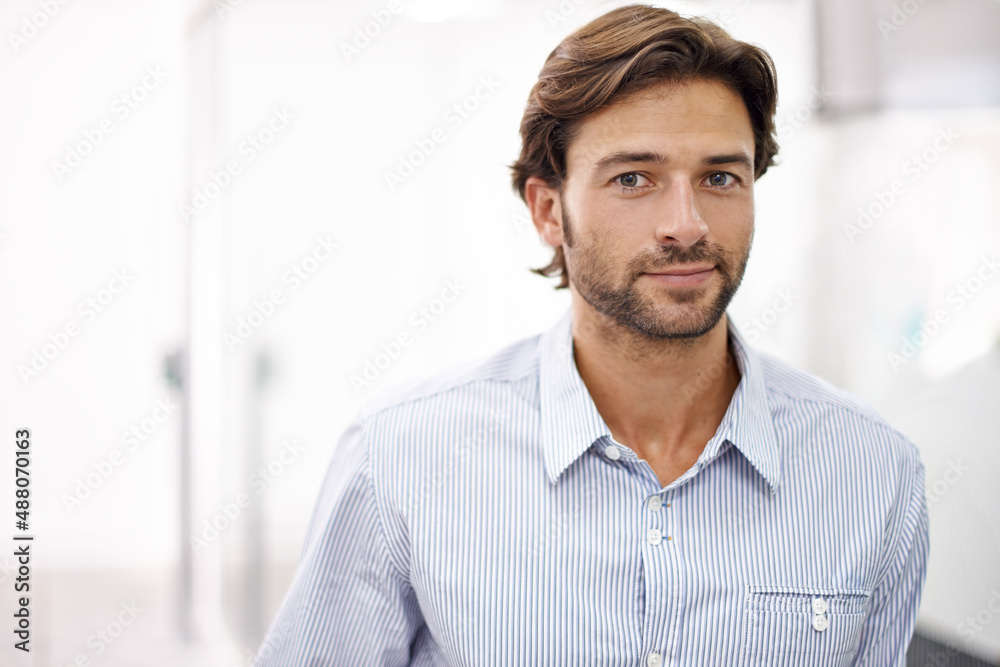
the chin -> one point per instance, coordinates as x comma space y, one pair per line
672, 322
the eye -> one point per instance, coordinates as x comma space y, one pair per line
721, 179
630, 180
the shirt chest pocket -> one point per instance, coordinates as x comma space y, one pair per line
798, 627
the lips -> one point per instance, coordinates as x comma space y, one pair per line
682, 271
683, 276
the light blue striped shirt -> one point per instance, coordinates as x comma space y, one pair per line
486, 517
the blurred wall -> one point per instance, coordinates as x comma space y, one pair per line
294, 194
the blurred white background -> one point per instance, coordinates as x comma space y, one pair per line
202, 258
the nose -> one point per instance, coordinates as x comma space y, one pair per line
680, 221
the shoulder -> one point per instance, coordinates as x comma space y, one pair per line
799, 397
418, 435
513, 367
849, 446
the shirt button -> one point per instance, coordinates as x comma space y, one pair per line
820, 606
655, 503
653, 660
654, 536
820, 622
612, 452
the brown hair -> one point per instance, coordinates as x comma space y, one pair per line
621, 53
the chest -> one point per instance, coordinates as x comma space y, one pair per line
603, 564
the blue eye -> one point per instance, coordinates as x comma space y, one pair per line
721, 179
630, 180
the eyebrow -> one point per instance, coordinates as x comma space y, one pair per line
740, 158
630, 157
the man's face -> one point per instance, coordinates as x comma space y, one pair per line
657, 208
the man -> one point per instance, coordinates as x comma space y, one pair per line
636, 486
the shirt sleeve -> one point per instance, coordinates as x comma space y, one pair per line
349, 603
886, 634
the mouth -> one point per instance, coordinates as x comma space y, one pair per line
683, 276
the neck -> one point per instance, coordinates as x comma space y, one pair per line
664, 398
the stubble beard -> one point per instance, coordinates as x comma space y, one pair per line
596, 281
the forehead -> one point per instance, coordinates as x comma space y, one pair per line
698, 115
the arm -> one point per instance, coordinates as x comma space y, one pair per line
349, 603
889, 626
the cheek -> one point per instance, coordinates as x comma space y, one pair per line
609, 224
594, 240
729, 219
601, 237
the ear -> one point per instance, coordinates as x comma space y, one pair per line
546, 210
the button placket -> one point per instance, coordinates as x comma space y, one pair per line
655, 520
820, 620
655, 623
659, 517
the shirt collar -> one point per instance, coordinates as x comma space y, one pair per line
570, 422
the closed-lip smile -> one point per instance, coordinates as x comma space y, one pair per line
682, 271
683, 276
